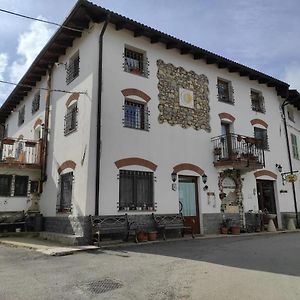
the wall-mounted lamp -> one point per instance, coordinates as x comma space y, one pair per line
205, 188
204, 178
279, 167
174, 176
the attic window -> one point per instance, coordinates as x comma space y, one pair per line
257, 101
21, 117
225, 91
35, 103
73, 68
135, 62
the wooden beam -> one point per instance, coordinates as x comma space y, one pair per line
184, 51
243, 73
120, 25
210, 61
154, 39
65, 42
171, 45
233, 70
138, 32
57, 51
198, 56
222, 65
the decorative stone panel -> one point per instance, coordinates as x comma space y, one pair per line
172, 80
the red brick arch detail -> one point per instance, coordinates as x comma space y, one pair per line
65, 165
37, 123
265, 173
259, 122
135, 92
74, 96
135, 161
224, 115
21, 137
187, 166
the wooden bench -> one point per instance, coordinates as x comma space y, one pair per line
12, 220
102, 225
171, 222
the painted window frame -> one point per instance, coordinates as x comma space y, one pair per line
294, 146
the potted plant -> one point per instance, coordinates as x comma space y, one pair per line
225, 225
152, 235
235, 229
142, 236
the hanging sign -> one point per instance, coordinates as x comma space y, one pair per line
291, 178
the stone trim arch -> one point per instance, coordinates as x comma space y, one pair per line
37, 123
187, 166
226, 116
265, 173
74, 96
135, 92
259, 122
65, 165
130, 161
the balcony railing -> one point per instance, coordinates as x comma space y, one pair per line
238, 151
19, 151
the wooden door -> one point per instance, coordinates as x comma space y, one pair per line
188, 201
266, 197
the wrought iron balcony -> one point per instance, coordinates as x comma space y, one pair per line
238, 151
19, 152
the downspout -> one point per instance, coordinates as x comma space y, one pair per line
290, 159
44, 144
99, 102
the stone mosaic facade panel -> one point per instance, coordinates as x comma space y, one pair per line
172, 80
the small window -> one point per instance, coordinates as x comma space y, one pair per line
225, 91
71, 119
73, 68
5, 185
257, 102
21, 186
290, 114
135, 115
261, 135
35, 103
135, 62
64, 204
21, 117
294, 146
136, 190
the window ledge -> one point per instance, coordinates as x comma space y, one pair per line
140, 74
137, 210
69, 132
227, 102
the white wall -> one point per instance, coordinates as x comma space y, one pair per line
168, 146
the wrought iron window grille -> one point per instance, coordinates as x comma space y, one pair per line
135, 62
71, 122
257, 102
225, 91
72, 69
21, 117
65, 190
35, 103
136, 115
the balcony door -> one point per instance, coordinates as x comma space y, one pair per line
226, 139
188, 201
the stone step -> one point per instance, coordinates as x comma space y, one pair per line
66, 239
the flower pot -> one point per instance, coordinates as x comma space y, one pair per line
142, 236
224, 230
235, 229
152, 235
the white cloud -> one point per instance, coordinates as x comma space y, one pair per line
292, 76
30, 44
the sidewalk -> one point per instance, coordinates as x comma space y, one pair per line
31, 241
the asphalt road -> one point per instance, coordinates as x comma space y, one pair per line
260, 267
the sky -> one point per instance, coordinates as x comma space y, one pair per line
264, 35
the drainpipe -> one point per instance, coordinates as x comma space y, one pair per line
98, 143
44, 144
290, 159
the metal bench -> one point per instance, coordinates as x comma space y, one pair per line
10, 220
102, 225
171, 222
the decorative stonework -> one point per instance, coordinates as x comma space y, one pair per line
171, 81
231, 194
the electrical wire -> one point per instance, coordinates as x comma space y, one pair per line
41, 88
40, 20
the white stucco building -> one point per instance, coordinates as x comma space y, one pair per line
108, 112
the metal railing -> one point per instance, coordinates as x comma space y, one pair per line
236, 147
19, 151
